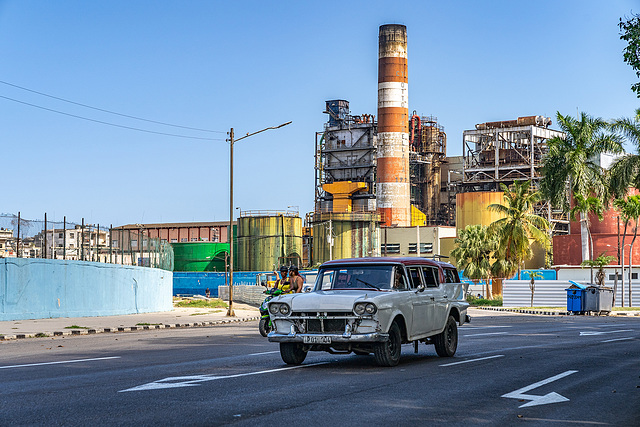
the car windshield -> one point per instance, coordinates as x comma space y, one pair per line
355, 277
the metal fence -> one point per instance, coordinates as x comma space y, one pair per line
68, 240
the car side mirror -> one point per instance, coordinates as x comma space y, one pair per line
420, 288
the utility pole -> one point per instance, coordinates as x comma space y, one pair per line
330, 240
64, 237
82, 241
417, 240
44, 249
230, 311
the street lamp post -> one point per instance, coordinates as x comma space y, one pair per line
230, 311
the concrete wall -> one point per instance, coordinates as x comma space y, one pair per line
43, 288
253, 295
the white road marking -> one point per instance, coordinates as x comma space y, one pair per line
586, 333
486, 327
486, 333
264, 352
552, 397
59, 362
618, 339
473, 360
193, 380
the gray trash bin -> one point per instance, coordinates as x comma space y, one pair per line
598, 299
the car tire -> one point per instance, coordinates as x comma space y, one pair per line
292, 353
264, 326
446, 342
388, 353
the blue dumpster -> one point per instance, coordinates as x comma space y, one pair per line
576, 297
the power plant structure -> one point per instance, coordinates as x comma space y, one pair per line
379, 182
392, 184
506, 151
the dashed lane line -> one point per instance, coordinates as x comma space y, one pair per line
619, 339
59, 362
473, 360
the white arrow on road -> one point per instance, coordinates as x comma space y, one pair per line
552, 397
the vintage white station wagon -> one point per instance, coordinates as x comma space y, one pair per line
372, 305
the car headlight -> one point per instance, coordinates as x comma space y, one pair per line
274, 308
370, 308
284, 309
365, 308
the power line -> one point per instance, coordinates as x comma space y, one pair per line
110, 124
108, 111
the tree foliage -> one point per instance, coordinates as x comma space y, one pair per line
625, 171
571, 165
630, 32
473, 250
519, 225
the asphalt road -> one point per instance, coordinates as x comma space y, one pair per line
509, 369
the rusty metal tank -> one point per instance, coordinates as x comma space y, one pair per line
471, 208
353, 235
392, 190
268, 239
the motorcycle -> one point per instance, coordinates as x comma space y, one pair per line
265, 325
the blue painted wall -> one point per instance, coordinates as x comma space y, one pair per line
195, 283
43, 288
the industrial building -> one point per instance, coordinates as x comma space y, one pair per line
387, 187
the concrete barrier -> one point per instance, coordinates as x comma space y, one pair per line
44, 288
253, 295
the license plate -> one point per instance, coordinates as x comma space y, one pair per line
316, 340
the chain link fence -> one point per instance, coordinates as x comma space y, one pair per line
68, 240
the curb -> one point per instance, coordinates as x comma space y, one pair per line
551, 313
126, 329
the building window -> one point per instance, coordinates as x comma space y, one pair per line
134, 243
114, 243
71, 235
174, 240
164, 240
391, 248
184, 239
613, 276
425, 248
59, 235
194, 239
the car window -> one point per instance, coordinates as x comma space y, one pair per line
355, 277
324, 280
430, 276
451, 275
415, 277
400, 280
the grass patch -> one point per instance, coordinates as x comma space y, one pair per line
41, 335
626, 308
76, 327
476, 302
148, 324
200, 314
201, 303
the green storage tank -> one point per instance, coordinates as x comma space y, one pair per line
267, 240
199, 256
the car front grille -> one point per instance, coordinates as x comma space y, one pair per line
332, 326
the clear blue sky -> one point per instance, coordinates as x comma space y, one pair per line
253, 64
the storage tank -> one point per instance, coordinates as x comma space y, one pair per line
471, 208
354, 236
199, 256
267, 240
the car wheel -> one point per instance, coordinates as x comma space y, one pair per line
292, 353
388, 353
446, 342
264, 326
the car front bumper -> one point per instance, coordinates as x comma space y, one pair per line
375, 337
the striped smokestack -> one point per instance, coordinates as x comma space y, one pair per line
392, 188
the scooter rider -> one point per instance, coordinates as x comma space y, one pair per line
297, 282
283, 284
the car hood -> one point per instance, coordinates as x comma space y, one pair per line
338, 300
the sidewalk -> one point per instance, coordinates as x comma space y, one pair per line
180, 317
555, 312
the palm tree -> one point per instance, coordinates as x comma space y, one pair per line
571, 165
625, 171
472, 252
519, 225
626, 213
634, 211
600, 263
583, 207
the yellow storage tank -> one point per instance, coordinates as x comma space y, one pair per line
471, 208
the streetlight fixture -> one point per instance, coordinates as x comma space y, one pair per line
231, 140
